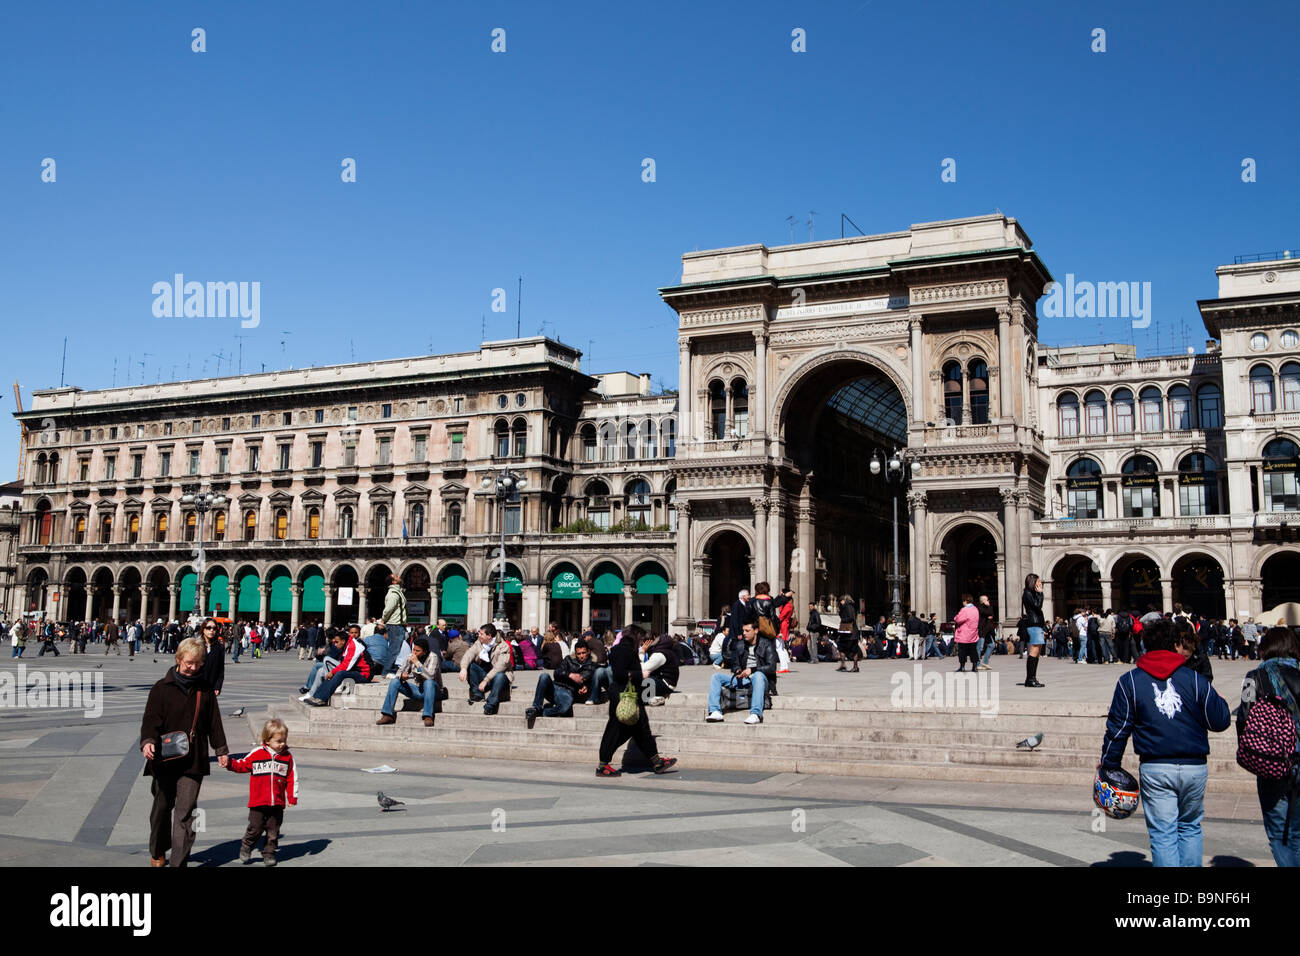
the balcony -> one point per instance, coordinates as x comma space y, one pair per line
1088, 526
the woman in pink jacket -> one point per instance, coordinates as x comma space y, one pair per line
968, 625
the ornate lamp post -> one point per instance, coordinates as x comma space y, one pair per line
203, 501
507, 487
898, 469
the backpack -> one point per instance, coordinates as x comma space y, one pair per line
1123, 624
1266, 744
1137, 625
765, 627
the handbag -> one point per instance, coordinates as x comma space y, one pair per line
176, 744
628, 710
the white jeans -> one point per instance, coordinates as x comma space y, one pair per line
914, 644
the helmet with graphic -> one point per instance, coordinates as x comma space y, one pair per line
1116, 791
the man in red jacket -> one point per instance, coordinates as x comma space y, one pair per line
354, 662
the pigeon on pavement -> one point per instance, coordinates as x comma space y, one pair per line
1029, 743
387, 803
238, 713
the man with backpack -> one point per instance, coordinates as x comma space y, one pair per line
1268, 726
1124, 636
1167, 709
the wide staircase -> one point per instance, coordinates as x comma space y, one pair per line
835, 735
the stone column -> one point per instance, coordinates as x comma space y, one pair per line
361, 603
684, 408
435, 597
1011, 537
264, 605
805, 575
919, 555
202, 588
543, 606
117, 602
1166, 591
700, 568
90, 602
730, 420
172, 602
1048, 612
1168, 498
295, 606
329, 591
672, 603
939, 586
759, 556
1006, 374
232, 598
777, 575
627, 604
145, 593
758, 393
585, 622
1105, 595
918, 371
682, 561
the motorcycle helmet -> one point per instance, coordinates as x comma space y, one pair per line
1116, 791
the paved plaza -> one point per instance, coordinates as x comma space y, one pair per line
71, 794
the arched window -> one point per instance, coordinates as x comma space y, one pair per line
41, 462
453, 519
1153, 411
106, 529
717, 410
345, 521
191, 526
1209, 407
1067, 410
219, 526
740, 407
1261, 389
417, 521
1281, 458
380, 529
638, 502
313, 523
629, 441
1094, 418
1290, 394
952, 397
1123, 402
160, 528
501, 433
1198, 485
43, 530
281, 524
250, 525
1140, 488
588, 442
597, 496
1083, 489
608, 442
52, 468
1180, 408
133, 529
979, 392
519, 437
649, 440
670, 438
79, 529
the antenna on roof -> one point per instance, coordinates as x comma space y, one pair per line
283, 359
811, 213
519, 307
790, 220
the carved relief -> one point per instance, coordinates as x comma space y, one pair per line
838, 333
984, 289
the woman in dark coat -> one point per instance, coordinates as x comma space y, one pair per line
214, 656
849, 647
1031, 610
181, 700
625, 659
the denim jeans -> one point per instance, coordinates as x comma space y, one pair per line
377, 646
1276, 801
319, 671
330, 684
428, 696
931, 645
560, 696
238, 645
396, 638
18, 650
603, 681
496, 688
1082, 643
1107, 649
715, 659
758, 680
986, 649
1173, 795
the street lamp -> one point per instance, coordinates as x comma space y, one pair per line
898, 471
507, 487
202, 502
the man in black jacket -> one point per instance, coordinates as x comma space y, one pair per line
741, 611
755, 666
571, 683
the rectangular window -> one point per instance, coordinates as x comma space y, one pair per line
599, 518
1069, 421
419, 450
254, 458
385, 455
110, 468
194, 461
1191, 500
521, 444
456, 450
422, 407
1139, 502
1281, 491
1084, 502
284, 457
352, 413
112, 432
83, 470
1151, 416
320, 416
223, 460
1096, 419
457, 404
1207, 409
589, 446
512, 519
164, 463
225, 424
317, 454
1124, 418
387, 411
1180, 414
286, 418
139, 431
167, 428
86, 436
196, 426
137, 466
257, 421
349, 457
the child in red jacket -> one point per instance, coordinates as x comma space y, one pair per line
273, 784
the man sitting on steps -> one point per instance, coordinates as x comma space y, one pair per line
485, 666
571, 684
419, 679
755, 667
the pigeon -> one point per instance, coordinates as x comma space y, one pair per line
1029, 743
99, 667
387, 803
238, 713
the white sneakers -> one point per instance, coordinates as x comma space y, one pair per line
657, 701
715, 717
753, 719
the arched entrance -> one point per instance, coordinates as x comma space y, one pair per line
376, 591
453, 595
312, 609
160, 595
727, 555
279, 598
101, 603
1280, 577
37, 587
650, 597
841, 413
73, 597
129, 599
1198, 586
565, 584
1076, 583
347, 609
1135, 584
606, 597
972, 567
415, 584
513, 592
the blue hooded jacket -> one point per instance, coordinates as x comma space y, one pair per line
1167, 708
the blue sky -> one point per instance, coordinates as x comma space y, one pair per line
475, 167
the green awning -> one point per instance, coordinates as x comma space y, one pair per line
313, 594
185, 602
608, 583
513, 584
250, 598
454, 599
566, 586
281, 598
652, 583
219, 594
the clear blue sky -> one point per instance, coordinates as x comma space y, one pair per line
475, 168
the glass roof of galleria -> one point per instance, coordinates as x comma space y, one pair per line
876, 404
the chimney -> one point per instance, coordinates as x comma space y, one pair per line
645, 383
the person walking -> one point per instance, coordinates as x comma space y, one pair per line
848, 639
1277, 677
180, 700
966, 636
625, 660
987, 631
1031, 610
214, 656
18, 633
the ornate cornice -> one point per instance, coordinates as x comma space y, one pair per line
959, 292
840, 333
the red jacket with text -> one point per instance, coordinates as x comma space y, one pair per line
274, 780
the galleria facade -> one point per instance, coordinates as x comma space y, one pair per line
1119, 480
